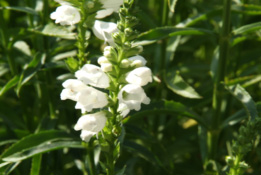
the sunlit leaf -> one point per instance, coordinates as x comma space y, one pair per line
163, 32
248, 28
243, 96
176, 83
11, 83
55, 31
21, 9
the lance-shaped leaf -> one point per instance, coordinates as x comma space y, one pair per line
54, 31
30, 70
166, 107
176, 83
21, 9
164, 32
39, 143
248, 28
11, 83
243, 96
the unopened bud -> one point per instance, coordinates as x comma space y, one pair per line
106, 67
90, 4
125, 63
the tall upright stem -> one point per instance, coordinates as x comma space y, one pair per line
218, 94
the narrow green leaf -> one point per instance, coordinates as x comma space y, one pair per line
164, 32
43, 148
34, 140
172, 5
248, 28
30, 70
36, 164
141, 151
54, 31
121, 172
166, 107
243, 96
5, 142
11, 83
176, 83
21, 9
248, 9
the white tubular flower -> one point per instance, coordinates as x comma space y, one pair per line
72, 88
90, 98
137, 61
123, 109
93, 75
139, 76
103, 31
133, 95
66, 15
90, 124
109, 6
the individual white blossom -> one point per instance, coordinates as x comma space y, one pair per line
93, 75
133, 95
123, 109
91, 124
103, 31
90, 98
66, 15
72, 88
139, 76
109, 6
137, 61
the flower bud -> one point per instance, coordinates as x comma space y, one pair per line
106, 67
125, 63
90, 4
110, 53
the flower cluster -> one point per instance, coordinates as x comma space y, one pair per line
117, 83
84, 90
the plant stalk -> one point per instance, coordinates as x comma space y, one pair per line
218, 94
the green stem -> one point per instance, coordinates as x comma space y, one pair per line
82, 42
7, 46
90, 158
218, 94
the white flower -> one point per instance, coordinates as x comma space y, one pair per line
137, 61
133, 95
123, 109
72, 88
66, 15
109, 6
90, 98
93, 75
139, 76
103, 31
90, 124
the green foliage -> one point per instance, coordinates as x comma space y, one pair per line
182, 43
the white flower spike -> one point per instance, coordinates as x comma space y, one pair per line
66, 15
103, 31
93, 75
133, 95
91, 124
